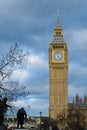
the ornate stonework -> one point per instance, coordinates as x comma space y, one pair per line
58, 73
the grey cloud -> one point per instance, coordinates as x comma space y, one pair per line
30, 24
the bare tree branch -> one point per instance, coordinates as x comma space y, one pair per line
13, 60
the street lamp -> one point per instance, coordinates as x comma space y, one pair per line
40, 119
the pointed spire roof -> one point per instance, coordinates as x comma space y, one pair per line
58, 25
58, 32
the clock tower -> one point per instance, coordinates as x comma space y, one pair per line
58, 73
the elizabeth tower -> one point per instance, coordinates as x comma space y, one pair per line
58, 73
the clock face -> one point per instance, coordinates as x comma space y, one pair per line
58, 56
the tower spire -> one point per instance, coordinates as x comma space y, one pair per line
58, 31
58, 25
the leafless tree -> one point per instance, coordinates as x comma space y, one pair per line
76, 118
10, 89
9, 62
12, 60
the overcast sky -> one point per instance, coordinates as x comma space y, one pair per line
30, 23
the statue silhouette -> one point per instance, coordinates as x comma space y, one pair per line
21, 115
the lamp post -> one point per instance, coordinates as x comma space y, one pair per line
40, 119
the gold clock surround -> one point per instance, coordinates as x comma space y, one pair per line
57, 61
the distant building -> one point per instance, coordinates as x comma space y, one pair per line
79, 104
77, 113
79, 101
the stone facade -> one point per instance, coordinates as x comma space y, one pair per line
58, 73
